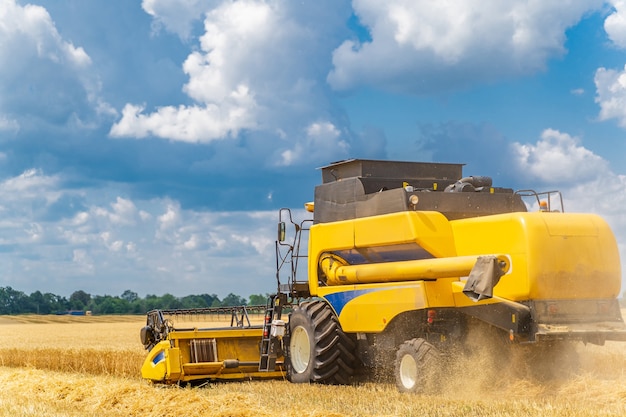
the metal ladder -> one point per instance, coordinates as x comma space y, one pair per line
269, 344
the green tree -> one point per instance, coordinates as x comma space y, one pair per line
13, 301
233, 300
258, 299
40, 304
79, 300
193, 301
130, 296
168, 301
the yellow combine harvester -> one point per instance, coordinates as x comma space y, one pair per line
402, 258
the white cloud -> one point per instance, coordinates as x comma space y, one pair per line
611, 94
214, 252
31, 46
257, 73
123, 212
424, 45
559, 158
9, 124
170, 218
615, 23
321, 143
188, 123
33, 27
176, 15
31, 184
221, 75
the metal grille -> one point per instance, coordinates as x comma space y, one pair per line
203, 350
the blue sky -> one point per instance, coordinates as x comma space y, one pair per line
147, 145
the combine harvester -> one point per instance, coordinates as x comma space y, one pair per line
402, 260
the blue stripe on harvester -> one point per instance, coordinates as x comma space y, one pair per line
158, 358
339, 299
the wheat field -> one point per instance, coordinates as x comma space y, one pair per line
89, 366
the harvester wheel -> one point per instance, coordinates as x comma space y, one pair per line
319, 351
416, 367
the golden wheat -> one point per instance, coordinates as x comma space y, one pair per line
81, 366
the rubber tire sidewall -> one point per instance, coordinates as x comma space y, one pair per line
299, 318
427, 360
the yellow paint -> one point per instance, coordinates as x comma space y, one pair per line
549, 256
554, 255
339, 273
373, 310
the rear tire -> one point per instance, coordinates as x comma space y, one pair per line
319, 351
417, 365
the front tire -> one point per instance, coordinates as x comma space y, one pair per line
319, 350
416, 366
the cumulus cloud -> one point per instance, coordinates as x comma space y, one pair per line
33, 27
31, 183
611, 94
221, 77
611, 83
123, 212
615, 23
558, 158
425, 46
189, 123
176, 16
31, 46
322, 142
258, 73
120, 243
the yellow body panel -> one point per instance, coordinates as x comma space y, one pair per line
369, 308
553, 255
550, 256
430, 230
155, 365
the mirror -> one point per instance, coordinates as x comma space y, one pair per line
281, 231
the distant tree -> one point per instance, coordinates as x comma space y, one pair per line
152, 302
169, 301
13, 301
193, 301
233, 300
258, 299
129, 302
56, 302
39, 303
107, 305
130, 296
210, 299
79, 300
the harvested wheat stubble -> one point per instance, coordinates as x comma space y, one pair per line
32, 392
80, 368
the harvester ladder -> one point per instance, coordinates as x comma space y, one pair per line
269, 344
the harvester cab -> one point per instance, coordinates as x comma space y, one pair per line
291, 253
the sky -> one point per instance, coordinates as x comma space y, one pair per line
148, 145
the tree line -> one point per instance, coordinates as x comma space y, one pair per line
17, 302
